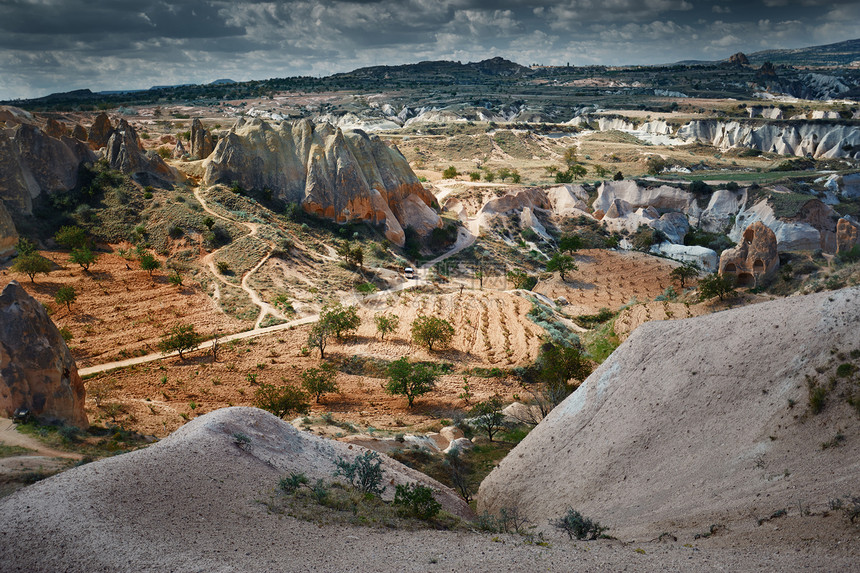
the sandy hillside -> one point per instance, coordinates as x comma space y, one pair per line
196, 502
706, 421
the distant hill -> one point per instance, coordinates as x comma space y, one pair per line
433, 70
839, 54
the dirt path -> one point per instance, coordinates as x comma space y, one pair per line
10, 436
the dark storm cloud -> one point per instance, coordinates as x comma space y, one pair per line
59, 45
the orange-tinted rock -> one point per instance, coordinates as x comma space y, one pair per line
55, 129
100, 131
37, 371
754, 259
847, 235
79, 133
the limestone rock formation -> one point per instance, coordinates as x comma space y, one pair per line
79, 133
341, 176
179, 150
32, 162
8, 233
37, 371
202, 144
123, 152
847, 234
100, 131
676, 429
703, 257
754, 259
55, 129
663, 198
814, 227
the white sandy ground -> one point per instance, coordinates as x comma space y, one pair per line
192, 502
690, 423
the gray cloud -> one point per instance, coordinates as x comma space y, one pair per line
59, 45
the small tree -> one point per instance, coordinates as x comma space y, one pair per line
72, 237
175, 278
31, 264
318, 381
561, 263
578, 171
83, 256
684, 273
318, 336
408, 379
25, 246
66, 295
180, 338
601, 171
430, 330
386, 324
280, 400
364, 472
571, 157
570, 243
417, 500
515, 176
521, 279
577, 525
655, 165
460, 471
149, 263
716, 285
488, 415
450, 172
340, 320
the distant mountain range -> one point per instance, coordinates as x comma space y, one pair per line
840, 54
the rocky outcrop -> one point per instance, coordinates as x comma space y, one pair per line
739, 59
344, 176
100, 131
703, 257
675, 430
32, 163
55, 129
847, 235
123, 152
202, 144
813, 228
179, 150
79, 133
37, 371
8, 233
754, 260
663, 198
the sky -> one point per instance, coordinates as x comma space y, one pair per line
51, 46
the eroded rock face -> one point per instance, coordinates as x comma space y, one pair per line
847, 235
124, 153
202, 144
179, 150
8, 233
55, 129
341, 176
754, 259
37, 371
100, 131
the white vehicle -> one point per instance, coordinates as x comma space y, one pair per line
409, 273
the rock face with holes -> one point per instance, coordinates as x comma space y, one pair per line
344, 176
754, 260
37, 371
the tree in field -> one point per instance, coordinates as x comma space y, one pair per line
175, 278
410, 380
515, 176
149, 263
353, 257
386, 323
571, 157
578, 171
180, 338
521, 279
655, 165
83, 256
318, 336
488, 416
341, 320
281, 400
72, 237
684, 273
319, 381
561, 263
558, 371
716, 285
601, 171
31, 264
570, 243
430, 330
66, 295
25, 246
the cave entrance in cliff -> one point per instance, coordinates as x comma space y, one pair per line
758, 267
749, 235
745, 280
730, 270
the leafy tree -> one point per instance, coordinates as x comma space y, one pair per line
489, 176
341, 320
558, 371
408, 379
66, 295
417, 500
180, 338
601, 171
72, 237
25, 246
564, 177
31, 264
352, 256
364, 472
318, 336
504, 173
83, 256
716, 285
430, 330
386, 323
561, 263
578, 171
450, 172
655, 165
318, 381
521, 279
684, 273
570, 243
571, 157
515, 176
488, 415
281, 400
149, 263
475, 176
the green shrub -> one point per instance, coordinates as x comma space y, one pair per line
576, 525
281, 400
450, 172
364, 472
417, 500
292, 482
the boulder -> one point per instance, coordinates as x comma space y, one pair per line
686, 424
674, 225
55, 129
100, 131
79, 133
37, 371
847, 235
754, 260
202, 144
8, 233
344, 176
705, 258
